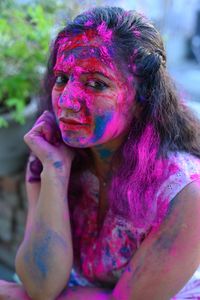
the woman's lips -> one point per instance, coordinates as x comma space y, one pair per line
70, 121
67, 123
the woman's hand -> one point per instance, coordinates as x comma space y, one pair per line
12, 291
45, 142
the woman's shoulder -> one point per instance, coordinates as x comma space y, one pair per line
185, 159
184, 165
183, 168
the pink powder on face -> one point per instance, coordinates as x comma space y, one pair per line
62, 45
90, 55
71, 61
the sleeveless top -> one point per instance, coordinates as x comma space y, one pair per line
100, 259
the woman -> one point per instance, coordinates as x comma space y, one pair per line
113, 181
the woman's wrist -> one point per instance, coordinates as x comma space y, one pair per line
53, 169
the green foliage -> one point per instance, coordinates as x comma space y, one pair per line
24, 41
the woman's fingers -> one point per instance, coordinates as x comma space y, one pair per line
44, 140
49, 127
41, 137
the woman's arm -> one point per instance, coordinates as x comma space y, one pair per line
169, 256
44, 259
83, 293
15, 291
33, 185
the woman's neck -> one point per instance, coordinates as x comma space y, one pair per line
103, 166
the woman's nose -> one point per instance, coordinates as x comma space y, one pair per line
70, 99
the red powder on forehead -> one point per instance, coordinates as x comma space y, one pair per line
89, 65
96, 37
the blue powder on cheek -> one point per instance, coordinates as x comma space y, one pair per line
100, 126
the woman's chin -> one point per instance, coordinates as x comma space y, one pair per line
76, 142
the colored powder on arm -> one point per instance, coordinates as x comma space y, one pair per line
58, 164
39, 260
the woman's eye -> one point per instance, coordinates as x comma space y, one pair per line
61, 79
97, 85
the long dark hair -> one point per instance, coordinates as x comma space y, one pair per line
161, 123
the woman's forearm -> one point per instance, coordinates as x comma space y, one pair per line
82, 293
45, 257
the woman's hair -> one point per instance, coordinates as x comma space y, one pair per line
161, 123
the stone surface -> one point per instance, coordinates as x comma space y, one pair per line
13, 210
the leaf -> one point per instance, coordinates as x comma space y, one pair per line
19, 117
16, 103
3, 123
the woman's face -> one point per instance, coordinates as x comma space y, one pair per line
92, 99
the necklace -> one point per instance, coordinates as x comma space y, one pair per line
104, 183
105, 180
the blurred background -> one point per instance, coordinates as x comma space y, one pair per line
26, 31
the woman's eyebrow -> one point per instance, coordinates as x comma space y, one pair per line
57, 70
96, 73
93, 72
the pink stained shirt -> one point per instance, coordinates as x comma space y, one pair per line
101, 259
